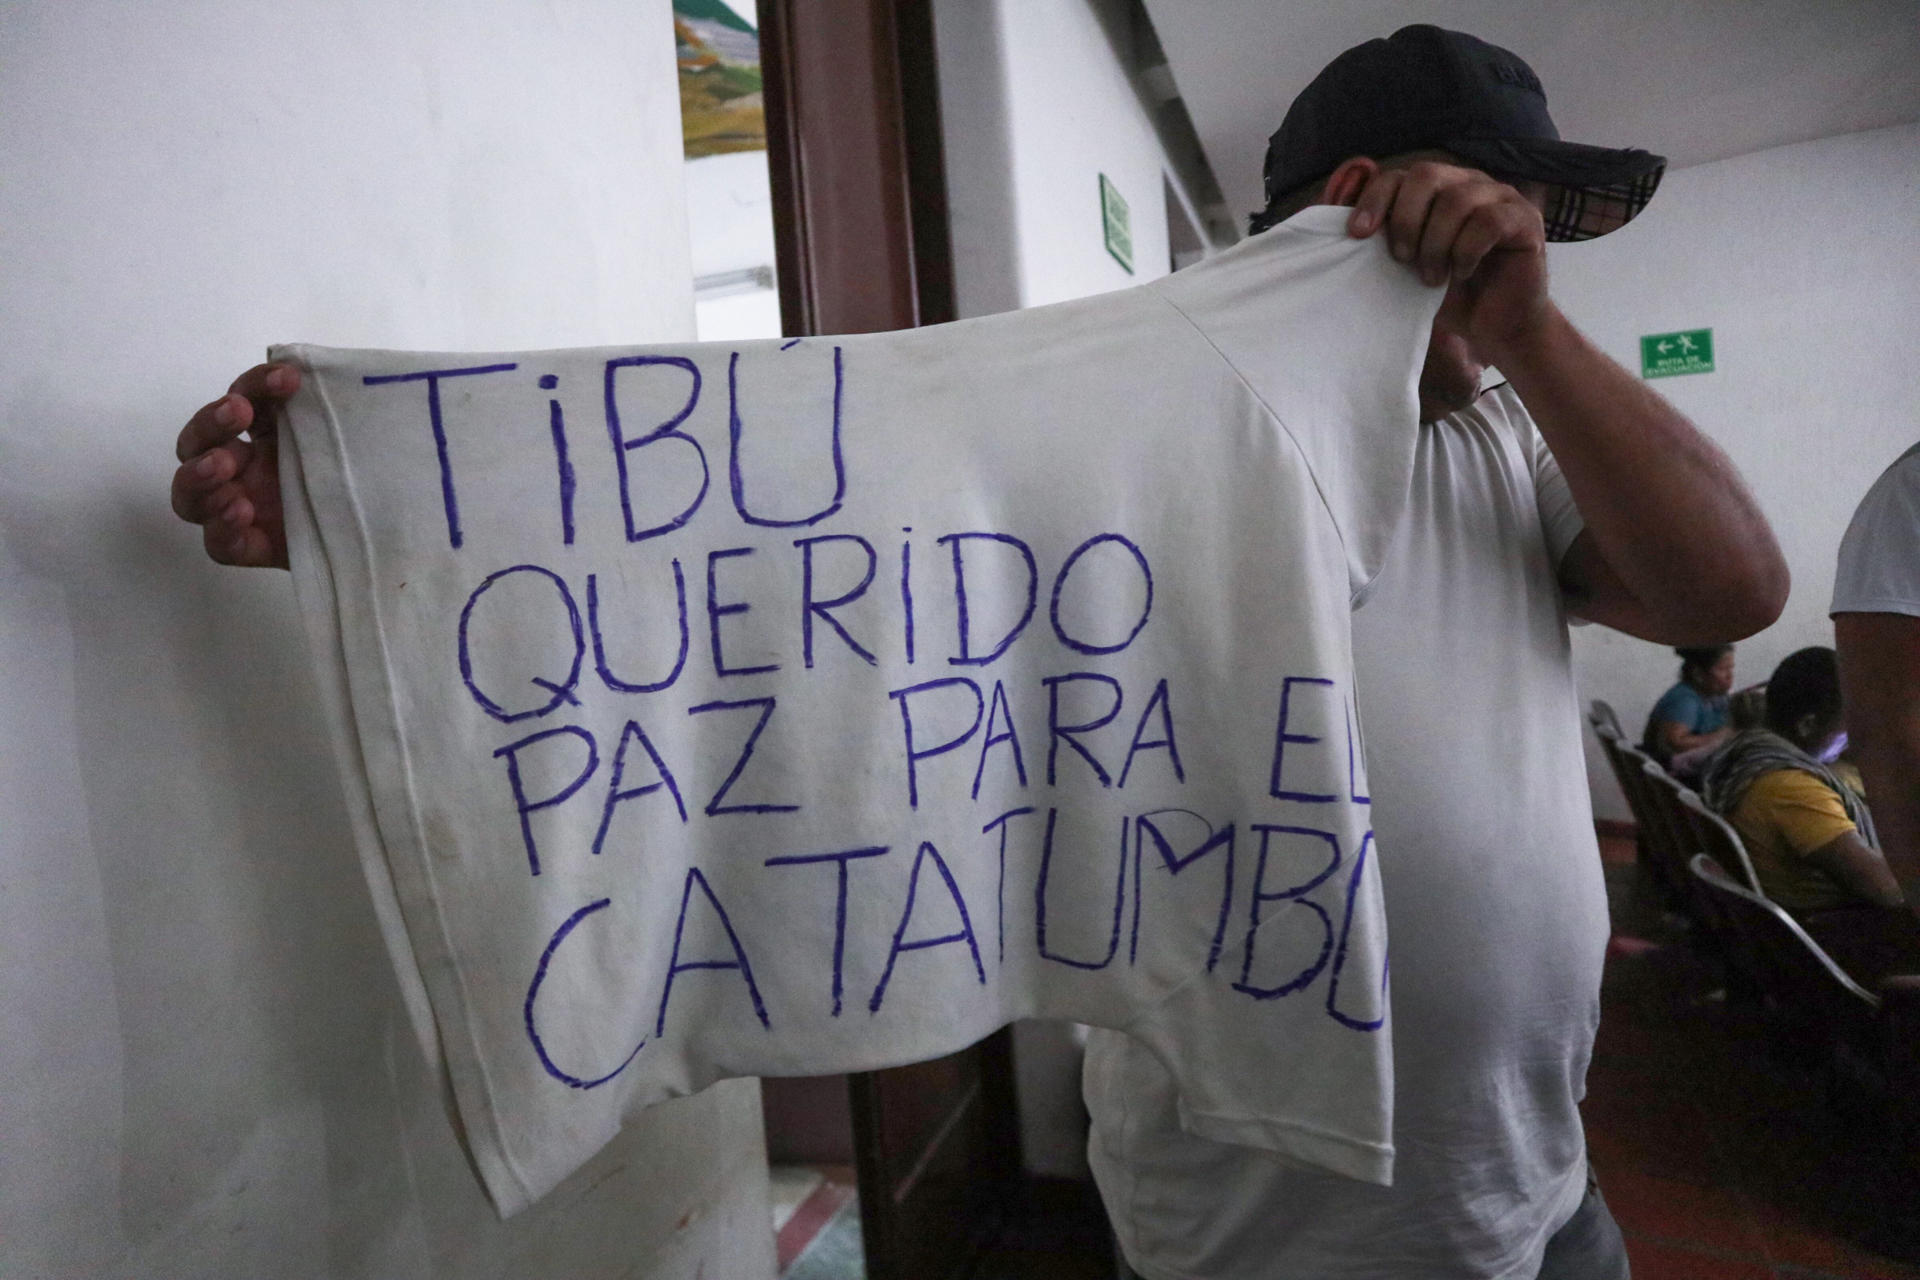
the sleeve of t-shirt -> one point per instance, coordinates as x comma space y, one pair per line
1328, 333
1805, 810
1560, 519
1879, 567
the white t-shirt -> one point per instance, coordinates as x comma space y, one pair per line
823, 705
1879, 570
1495, 905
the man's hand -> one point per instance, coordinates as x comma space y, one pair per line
1458, 226
228, 486
1675, 550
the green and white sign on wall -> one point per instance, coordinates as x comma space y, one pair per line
1663, 355
1119, 223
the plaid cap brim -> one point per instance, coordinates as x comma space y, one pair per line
1581, 213
1591, 190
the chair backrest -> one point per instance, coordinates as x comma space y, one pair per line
1790, 966
1627, 762
1610, 744
1677, 842
1717, 837
1624, 759
1600, 714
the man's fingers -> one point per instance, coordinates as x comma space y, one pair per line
1407, 219
244, 547
252, 401
1452, 207
232, 509
233, 536
213, 424
1475, 240
1466, 221
267, 382
1370, 210
199, 481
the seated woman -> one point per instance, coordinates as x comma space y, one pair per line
1692, 714
1807, 828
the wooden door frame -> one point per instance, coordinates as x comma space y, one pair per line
859, 179
862, 245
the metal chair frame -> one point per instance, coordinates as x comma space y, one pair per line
1714, 830
1744, 909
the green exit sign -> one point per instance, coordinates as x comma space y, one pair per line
1664, 355
1118, 222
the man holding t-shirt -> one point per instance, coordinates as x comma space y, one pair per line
1612, 507
1571, 489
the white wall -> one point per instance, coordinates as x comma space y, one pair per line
1037, 101
1805, 262
1036, 104
730, 217
204, 1065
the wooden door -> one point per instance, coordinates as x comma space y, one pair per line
860, 225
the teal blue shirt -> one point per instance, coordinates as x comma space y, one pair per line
1684, 705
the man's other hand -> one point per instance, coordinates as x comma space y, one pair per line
1457, 226
230, 486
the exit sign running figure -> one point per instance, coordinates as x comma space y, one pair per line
1665, 355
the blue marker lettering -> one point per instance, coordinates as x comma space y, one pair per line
533, 994
559, 693
1060, 585
965, 935
448, 500
1069, 733
525, 807
840, 861
1282, 738
668, 430
733, 466
1292, 893
1040, 901
600, 662
1162, 700
916, 753
716, 611
810, 606
677, 966
765, 706
662, 778
956, 543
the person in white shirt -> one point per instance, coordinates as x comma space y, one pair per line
1876, 628
1571, 490
1574, 489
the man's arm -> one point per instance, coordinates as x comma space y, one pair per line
1675, 549
1880, 686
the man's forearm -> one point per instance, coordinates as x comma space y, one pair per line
1666, 510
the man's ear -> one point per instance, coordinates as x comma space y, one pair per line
1805, 727
1345, 184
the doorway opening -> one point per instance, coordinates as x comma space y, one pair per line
817, 205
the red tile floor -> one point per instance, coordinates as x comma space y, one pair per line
1719, 1159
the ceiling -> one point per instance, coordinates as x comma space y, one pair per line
1694, 80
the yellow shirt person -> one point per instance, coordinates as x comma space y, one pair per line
1785, 817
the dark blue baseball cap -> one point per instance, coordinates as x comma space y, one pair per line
1427, 88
